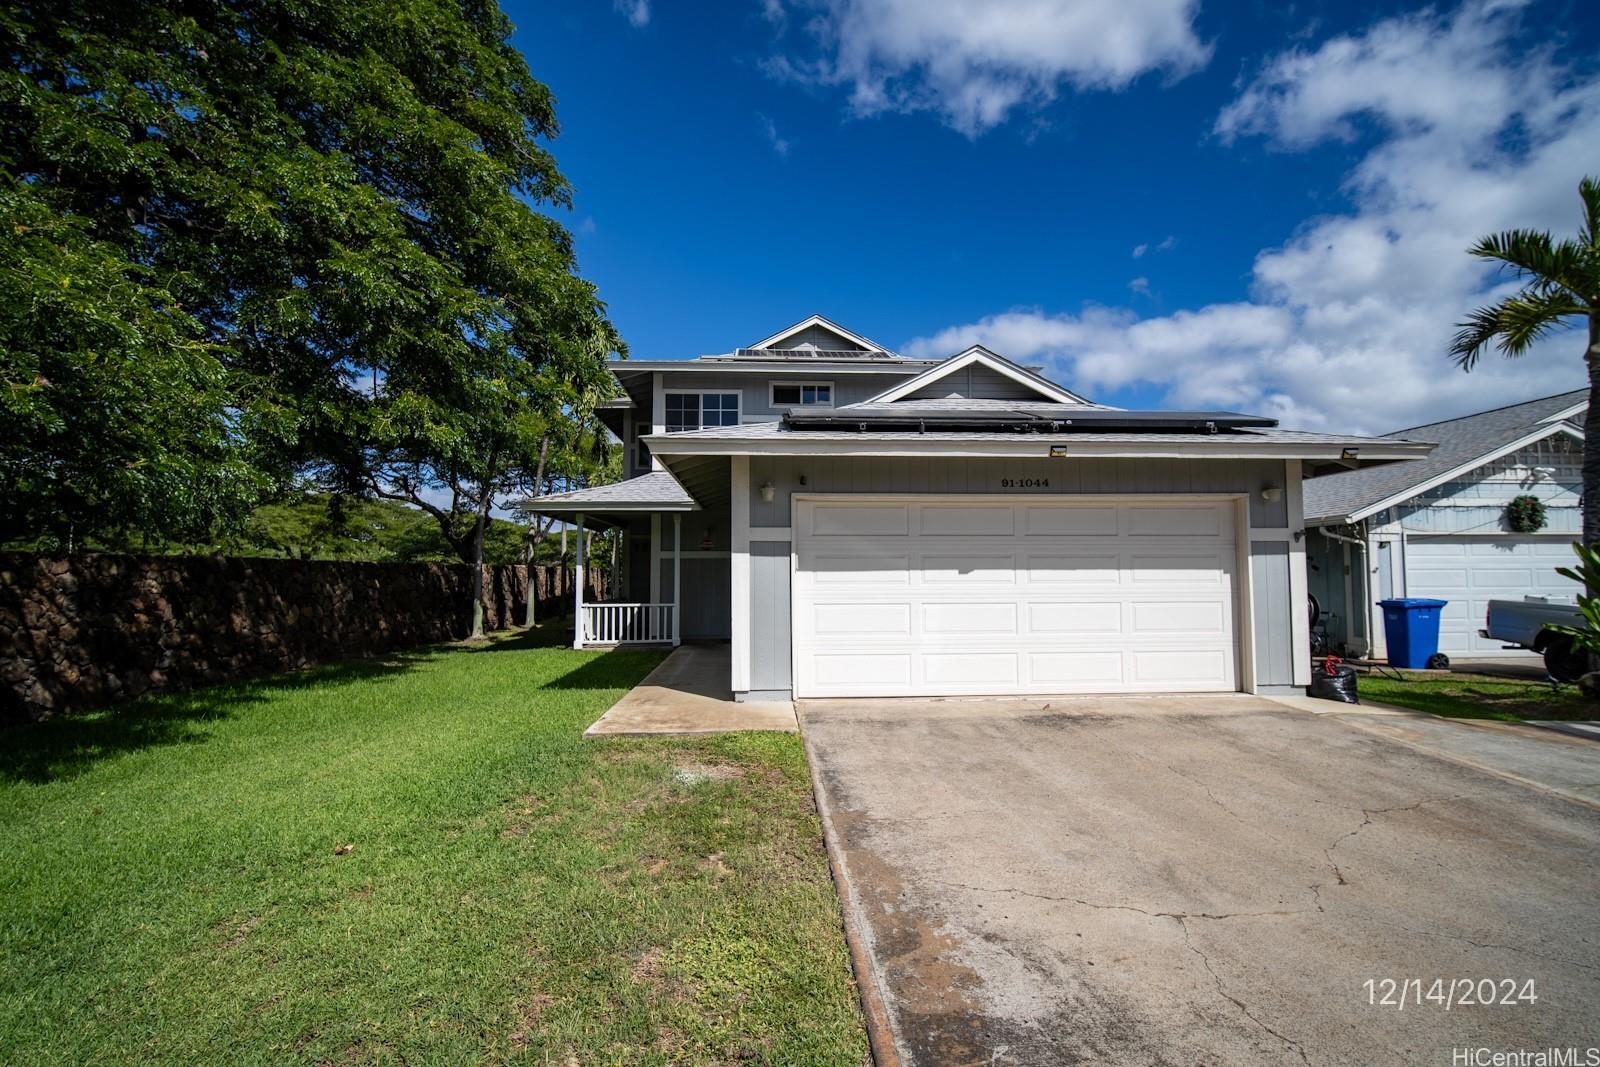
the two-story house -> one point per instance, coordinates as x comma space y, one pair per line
858, 523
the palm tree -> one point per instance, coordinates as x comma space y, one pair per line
1563, 284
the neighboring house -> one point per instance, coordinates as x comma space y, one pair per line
1438, 528
862, 524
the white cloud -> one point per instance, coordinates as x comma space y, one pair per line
1166, 244
637, 12
1140, 250
1140, 285
769, 129
973, 64
1349, 321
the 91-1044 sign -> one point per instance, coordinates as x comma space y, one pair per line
1024, 483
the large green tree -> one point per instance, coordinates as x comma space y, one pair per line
1561, 288
289, 235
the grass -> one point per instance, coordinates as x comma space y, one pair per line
1470, 696
418, 861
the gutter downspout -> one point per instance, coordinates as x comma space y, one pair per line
1366, 582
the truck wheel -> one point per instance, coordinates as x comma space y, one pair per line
1563, 662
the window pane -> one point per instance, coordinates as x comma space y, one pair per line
683, 412
808, 394
721, 409
786, 394
824, 394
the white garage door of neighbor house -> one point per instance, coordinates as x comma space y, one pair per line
1471, 571
901, 597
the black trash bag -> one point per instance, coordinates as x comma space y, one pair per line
1340, 685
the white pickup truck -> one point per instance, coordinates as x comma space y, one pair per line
1524, 623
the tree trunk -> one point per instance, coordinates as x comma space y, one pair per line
1591, 432
475, 630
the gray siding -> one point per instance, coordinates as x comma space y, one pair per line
770, 655
1551, 470
755, 398
1269, 582
769, 583
819, 337
975, 382
707, 610
826, 474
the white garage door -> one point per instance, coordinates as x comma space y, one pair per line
1471, 571
917, 597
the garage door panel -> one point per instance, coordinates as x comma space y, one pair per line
1067, 521
1077, 671
1081, 618
1146, 520
1468, 572
861, 618
855, 569
1184, 668
1195, 569
969, 670
968, 521
865, 672
835, 520
969, 618
969, 570
1072, 597
1167, 616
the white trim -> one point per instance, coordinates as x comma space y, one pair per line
1418, 488
826, 324
736, 393
553, 506
1299, 583
771, 533
772, 401
1038, 445
1243, 591
577, 574
997, 363
1566, 413
658, 417
739, 524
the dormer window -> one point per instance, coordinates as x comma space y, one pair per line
802, 394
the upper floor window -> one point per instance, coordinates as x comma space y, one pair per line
802, 394
694, 411
641, 458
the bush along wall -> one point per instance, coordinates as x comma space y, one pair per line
98, 629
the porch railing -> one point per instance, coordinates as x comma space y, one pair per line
626, 624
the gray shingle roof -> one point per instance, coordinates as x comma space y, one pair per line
657, 491
1352, 495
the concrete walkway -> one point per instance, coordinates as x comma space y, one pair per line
689, 694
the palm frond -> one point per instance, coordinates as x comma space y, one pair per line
1549, 263
1514, 324
1589, 192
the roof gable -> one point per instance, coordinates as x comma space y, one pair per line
816, 332
977, 364
1463, 445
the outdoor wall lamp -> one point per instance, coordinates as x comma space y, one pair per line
1272, 493
768, 491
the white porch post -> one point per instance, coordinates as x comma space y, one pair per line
577, 614
677, 579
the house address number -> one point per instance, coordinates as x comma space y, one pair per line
1024, 483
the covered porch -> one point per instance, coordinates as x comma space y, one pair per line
640, 615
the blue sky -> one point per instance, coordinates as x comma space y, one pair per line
1257, 205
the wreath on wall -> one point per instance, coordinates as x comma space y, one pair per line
1525, 514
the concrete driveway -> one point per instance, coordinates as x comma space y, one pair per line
1199, 880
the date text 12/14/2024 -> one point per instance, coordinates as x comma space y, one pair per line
1449, 993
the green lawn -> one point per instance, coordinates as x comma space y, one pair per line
1472, 696
414, 862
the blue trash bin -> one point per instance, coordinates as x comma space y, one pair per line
1411, 626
